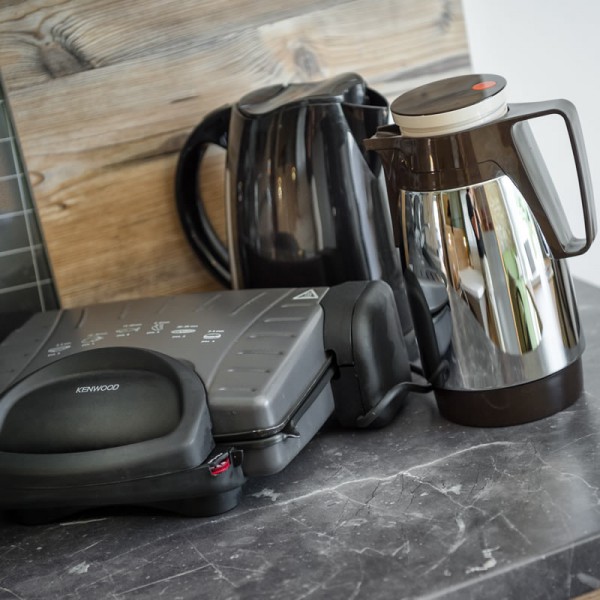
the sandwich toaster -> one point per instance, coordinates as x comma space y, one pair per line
173, 402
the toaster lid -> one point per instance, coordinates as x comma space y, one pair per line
104, 415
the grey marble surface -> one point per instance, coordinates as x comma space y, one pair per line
421, 509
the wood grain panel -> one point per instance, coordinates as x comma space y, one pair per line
50, 39
595, 595
105, 92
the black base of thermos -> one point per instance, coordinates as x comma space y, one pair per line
515, 404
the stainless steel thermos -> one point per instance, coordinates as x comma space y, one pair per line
479, 226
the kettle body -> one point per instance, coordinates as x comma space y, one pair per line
305, 204
479, 224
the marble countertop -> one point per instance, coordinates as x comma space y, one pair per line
423, 508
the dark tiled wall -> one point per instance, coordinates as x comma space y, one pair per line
26, 284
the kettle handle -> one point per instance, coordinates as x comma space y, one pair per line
213, 129
529, 172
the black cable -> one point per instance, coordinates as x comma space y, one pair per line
397, 393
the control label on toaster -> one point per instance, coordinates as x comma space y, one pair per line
307, 295
93, 338
182, 331
212, 335
157, 327
127, 329
59, 348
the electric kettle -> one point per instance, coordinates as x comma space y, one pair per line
483, 235
306, 204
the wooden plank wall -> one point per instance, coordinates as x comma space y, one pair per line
104, 93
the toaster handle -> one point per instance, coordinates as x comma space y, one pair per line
362, 329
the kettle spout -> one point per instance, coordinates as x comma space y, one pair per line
386, 140
389, 145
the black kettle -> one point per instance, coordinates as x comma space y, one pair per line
306, 204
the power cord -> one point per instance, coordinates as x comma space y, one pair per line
398, 392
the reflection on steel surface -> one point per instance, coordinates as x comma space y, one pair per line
513, 309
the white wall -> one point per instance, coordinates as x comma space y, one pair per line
548, 49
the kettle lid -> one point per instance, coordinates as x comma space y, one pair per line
347, 87
450, 105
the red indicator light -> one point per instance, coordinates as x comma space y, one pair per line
220, 467
483, 85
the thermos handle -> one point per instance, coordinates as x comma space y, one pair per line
200, 233
533, 180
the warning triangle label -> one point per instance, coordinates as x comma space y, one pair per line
307, 295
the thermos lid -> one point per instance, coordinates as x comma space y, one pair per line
450, 105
